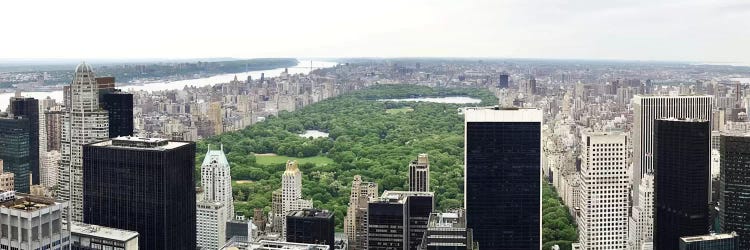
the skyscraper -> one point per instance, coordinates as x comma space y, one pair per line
419, 174
29, 108
144, 185
53, 126
641, 224
502, 177
311, 226
119, 106
291, 194
355, 222
398, 219
83, 123
211, 224
503, 83
15, 149
217, 180
682, 162
734, 191
604, 191
646, 109
447, 231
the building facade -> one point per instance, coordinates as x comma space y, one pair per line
211, 221
7, 180
119, 108
682, 174
143, 185
28, 108
311, 226
355, 222
217, 180
734, 189
641, 223
502, 189
83, 123
37, 222
419, 174
398, 219
16, 150
49, 168
603, 214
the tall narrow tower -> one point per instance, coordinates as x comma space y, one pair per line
217, 180
355, 222
419, 174
734, 194
83, 123
291, 192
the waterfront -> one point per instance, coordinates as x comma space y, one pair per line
303, 67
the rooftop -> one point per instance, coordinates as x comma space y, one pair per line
447, 220
687, 119
501, 114
24, 202
140, 142
400, 196
102, 232
709, 237
311, 213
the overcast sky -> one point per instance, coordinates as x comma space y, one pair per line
680, 30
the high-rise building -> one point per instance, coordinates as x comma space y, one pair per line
215, 115
603, 191
734, 191
398, 219
447, 231
217, 180
53, 127
211, 221
641, 223
503, 83
119, 106
419, 174
29, 108
311, 226
48, 171
682, 171
502, 177
32, 222
15, 149
83, 122
7, 180
646, 109
89, 237
355, 222
144, 185
291, 194
728, 241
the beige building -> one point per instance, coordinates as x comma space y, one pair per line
355, 221
291, 195
6, 179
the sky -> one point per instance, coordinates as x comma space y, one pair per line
654, 30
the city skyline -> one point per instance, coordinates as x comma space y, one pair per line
619, 30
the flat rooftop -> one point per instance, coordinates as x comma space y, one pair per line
97, 231
311, 213
140, 143
709, 237
400, 196
500, 114
446, 220
24, 202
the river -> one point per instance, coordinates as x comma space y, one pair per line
303, 67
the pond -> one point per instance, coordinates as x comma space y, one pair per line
448, 99
314, 134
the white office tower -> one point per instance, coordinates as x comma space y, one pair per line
603, 216
419, 174
211, 221
642, 222
648, 108
83, 123
291, 193
217, 180
49, 168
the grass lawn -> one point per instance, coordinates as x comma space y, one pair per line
399, 110
277, 159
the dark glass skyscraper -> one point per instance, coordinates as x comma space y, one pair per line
29, 108
734, 191
119, 106
143, 185
682, 164
503, 83
14, 149
503, 177
311, 226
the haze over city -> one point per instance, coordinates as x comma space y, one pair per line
699, 31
